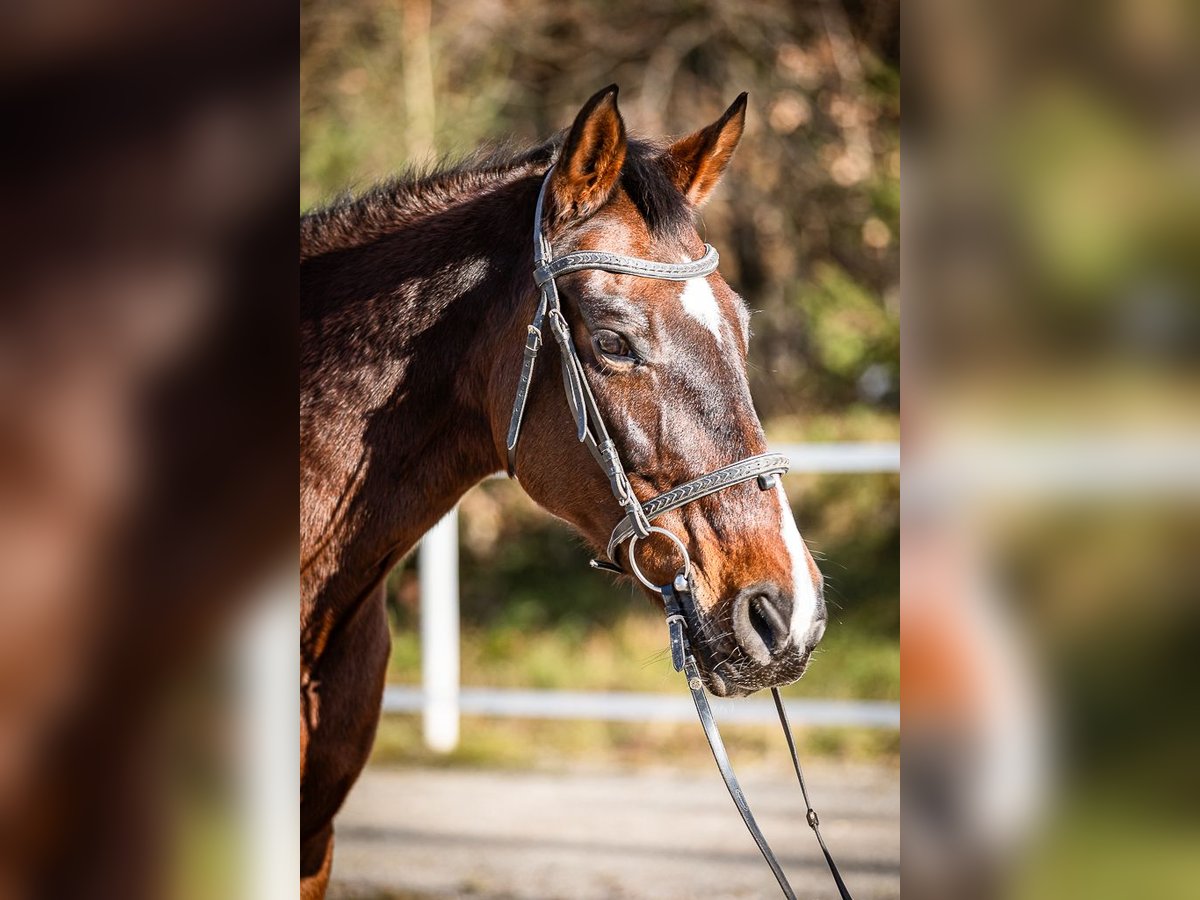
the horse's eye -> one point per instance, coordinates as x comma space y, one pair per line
613, 347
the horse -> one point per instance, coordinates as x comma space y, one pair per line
416, 298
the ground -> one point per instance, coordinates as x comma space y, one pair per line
417, 833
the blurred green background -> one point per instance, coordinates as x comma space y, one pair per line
807, 222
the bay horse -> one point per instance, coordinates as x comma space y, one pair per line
415, 303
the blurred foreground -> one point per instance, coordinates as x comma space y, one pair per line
1051, 512
147, 438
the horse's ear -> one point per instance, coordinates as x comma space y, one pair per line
590, 163
697, 161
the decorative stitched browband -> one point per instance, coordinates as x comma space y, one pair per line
628, 265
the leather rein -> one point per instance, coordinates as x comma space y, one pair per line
635, 524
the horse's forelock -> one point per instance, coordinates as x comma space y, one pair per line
646, 181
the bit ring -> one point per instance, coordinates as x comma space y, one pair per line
654, 529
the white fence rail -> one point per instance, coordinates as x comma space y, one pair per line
441, 700
621, 706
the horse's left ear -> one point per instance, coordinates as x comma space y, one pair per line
697, 161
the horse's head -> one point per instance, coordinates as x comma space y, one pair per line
666, 361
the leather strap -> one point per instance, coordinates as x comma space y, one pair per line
589, 423
533, 343
684, 660
811, 814
628, 265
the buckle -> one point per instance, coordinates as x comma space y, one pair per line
561, 331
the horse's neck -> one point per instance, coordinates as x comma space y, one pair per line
399, 339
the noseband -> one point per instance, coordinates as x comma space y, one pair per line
635, 525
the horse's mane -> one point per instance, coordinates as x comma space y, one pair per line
351, 219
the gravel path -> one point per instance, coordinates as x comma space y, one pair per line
435, 833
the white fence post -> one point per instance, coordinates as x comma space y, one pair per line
439, 633
269, 709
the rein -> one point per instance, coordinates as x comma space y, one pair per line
684, 661
634, 525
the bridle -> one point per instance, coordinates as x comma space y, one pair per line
636, 524
589, 424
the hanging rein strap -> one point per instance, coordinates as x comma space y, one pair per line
684, 661
813, 821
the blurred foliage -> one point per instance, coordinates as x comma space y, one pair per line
807, 222
1112, 590
1058, 201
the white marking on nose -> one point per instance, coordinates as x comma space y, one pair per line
804, 594
700, 303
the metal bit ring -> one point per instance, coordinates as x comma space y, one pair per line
654, 529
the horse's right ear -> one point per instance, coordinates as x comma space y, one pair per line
590, 163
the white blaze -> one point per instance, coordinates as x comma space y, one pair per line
804, 595
700, 303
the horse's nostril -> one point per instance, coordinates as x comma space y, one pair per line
761, 622
758, 621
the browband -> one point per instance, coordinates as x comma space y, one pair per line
628, 265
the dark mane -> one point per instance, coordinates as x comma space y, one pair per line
350, 220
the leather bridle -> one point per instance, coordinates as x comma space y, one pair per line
635, 525
589, 424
